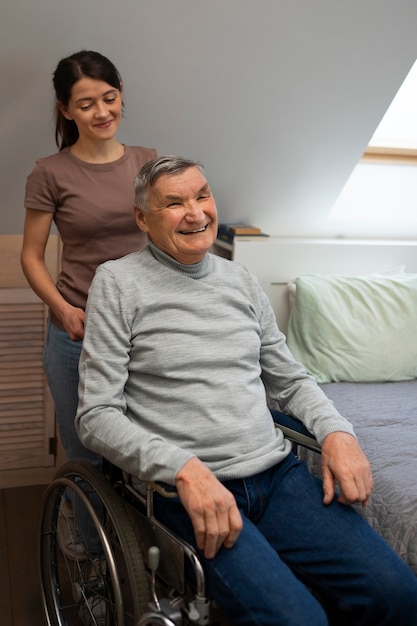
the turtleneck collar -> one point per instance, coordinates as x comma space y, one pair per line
196, 270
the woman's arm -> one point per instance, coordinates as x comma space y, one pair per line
36, 233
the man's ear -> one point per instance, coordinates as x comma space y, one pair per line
140, 217
63, 110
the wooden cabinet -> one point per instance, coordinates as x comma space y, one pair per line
29, 450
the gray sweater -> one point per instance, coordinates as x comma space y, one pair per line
179, 360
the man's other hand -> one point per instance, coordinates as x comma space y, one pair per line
343, 460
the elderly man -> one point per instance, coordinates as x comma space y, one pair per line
180, 356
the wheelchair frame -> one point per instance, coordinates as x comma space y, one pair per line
136, 573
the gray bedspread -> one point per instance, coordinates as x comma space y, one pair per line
384, 416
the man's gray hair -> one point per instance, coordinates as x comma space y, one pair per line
152, 170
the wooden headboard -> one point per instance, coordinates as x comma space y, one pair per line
276, 261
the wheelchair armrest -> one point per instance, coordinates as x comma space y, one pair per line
295, 431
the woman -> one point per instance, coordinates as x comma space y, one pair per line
87, 190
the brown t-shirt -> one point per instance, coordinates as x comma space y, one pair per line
93, 206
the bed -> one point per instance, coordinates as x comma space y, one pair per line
384, 416
356, 334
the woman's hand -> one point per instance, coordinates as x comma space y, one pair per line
73, 321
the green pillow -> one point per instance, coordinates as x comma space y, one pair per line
355, 328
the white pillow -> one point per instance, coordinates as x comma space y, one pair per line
291, 287
355, 328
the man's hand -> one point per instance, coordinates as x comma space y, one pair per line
212, 508
342, 459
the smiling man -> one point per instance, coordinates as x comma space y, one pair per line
180, 356
179, 213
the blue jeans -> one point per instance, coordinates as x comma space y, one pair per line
293, 549
60, 360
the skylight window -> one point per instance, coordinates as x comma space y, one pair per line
383, 186
398, 127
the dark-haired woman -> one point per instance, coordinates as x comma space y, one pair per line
86, 188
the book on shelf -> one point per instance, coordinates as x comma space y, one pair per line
228, 232
241, 229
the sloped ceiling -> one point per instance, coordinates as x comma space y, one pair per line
278, 98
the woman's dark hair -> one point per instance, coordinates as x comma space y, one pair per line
70, 70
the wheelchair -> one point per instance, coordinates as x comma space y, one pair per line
131, 571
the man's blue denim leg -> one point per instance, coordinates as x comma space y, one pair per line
291, 543
249, 581
335, 551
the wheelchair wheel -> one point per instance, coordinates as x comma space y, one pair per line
101, 580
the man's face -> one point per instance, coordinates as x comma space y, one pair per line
181, 219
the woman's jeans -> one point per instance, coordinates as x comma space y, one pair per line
294, 549
60, 359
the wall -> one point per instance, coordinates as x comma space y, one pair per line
278, 98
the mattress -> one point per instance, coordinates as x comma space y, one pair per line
384, 416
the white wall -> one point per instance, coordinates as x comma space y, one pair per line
278, 98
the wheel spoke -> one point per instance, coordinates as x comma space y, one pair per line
102, 581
